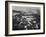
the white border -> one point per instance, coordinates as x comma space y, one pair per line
24, 31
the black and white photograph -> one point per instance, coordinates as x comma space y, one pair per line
24, 18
